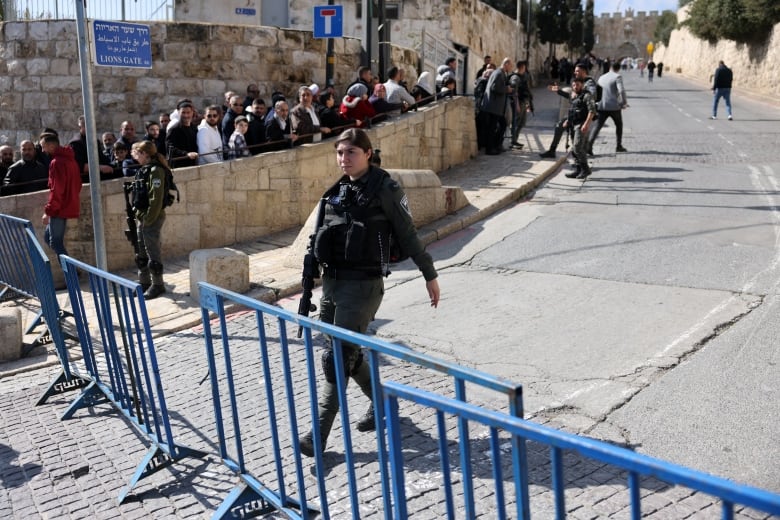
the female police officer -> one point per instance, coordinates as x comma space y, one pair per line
149, 194
364, 214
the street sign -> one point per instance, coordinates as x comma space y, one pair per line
328, 21
119, 44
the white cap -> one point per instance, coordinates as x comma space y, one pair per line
314, 89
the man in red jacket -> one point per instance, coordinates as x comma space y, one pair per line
64, 189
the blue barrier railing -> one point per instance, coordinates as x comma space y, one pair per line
52, 314
636, 465
16, 272
121, 363
276, 351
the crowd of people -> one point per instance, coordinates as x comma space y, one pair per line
245, 125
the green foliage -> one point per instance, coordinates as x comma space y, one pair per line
667, 22
551, 18
574, 20
744, 21
589, 39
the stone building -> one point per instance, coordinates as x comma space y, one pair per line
620, 35
469, 27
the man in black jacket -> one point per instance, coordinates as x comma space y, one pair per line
181, 140
721, 86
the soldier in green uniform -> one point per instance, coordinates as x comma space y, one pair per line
365, 213
581, 112
149, 195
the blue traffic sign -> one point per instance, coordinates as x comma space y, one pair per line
328, 21
119, 44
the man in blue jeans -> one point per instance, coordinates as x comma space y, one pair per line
721, 86
64, 190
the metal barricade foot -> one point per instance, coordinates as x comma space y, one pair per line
90, 396
155, 460
61, 384
246, 502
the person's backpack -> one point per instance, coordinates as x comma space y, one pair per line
599, 92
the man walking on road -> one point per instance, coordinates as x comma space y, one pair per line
613, 101
721, 87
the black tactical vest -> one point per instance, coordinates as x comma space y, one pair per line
355, 233
578, 111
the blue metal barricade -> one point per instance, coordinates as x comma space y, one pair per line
121, 363
634, 464
52, 314
18, 275
293, 363
16, 271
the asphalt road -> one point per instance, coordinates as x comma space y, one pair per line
639, 306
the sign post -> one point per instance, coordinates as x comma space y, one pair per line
91, 135
329, 23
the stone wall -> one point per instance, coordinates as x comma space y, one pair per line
244, 199
40, 82
467, 23
755, 67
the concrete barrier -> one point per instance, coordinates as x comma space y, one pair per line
10, 334
224, 267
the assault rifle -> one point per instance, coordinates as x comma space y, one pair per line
131, 233
311, 269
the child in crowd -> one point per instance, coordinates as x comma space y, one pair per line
237, 143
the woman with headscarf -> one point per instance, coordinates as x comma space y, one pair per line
304, 120
355, 104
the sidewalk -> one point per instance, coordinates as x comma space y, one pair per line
489, 182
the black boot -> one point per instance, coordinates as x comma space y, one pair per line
574, 173
144, 275
307, 444
367, 423
157, 288
585, 173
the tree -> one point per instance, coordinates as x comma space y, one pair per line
551, 17
744, 21
574, 21
667, 22
588, 38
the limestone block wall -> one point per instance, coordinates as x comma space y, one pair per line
486, 31
244, 199
40, 82
755, 67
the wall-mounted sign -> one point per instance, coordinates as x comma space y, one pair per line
119, 44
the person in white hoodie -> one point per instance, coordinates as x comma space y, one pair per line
209, 137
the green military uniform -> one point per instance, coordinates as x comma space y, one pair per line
581, 106
375, 207
149, 203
